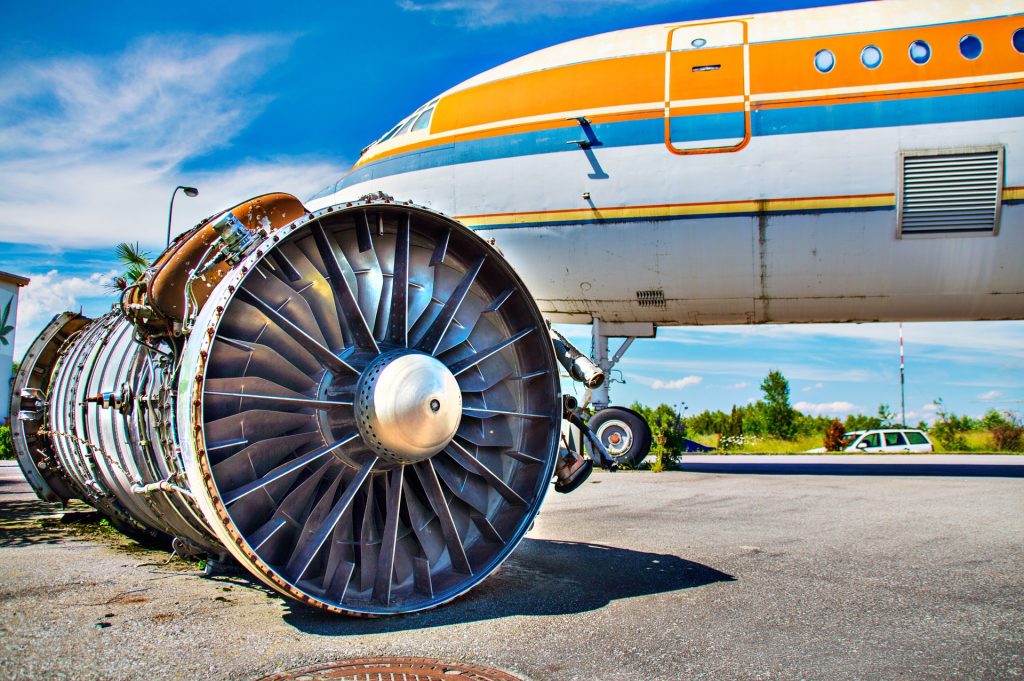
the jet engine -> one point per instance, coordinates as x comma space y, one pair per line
360, 405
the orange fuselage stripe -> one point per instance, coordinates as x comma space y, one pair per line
783, 67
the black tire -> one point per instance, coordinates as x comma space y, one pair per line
624, 423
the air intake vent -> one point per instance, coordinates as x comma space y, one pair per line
946, 193
651, 298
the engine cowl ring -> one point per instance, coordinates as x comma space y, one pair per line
369, 409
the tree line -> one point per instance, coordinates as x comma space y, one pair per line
773, 416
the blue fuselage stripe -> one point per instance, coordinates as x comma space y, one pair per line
774, 121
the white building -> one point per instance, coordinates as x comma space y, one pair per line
10, 285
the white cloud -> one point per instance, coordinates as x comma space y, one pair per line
828, 408
50, 293
924, 413
676, 384
795, 371
176, 95
995, 340
816, 386
990, 395
738, 386
487, 13
91, 148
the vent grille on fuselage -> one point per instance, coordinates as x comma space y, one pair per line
951, 193
651, 298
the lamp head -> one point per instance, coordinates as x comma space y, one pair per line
191, 191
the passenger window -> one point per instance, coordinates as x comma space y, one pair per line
920, 52
824, 61
916, 438
970, 46
424, 120
894, 440
871, 57
1018, 40
870, 440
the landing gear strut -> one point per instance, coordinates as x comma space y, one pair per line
623, 432
618, 436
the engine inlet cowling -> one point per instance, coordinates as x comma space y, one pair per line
364, 411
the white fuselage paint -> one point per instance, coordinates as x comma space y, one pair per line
751, 266
829, 267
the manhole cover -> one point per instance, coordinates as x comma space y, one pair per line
394, 669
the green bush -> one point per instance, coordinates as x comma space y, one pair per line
950, 430
6, 443
668, 430
861, 422
993, 419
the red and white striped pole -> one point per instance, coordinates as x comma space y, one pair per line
903, 399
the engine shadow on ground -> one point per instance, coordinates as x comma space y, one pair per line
22, 516
856, 468
25, 522
542, 578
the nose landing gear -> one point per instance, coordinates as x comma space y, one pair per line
624, 433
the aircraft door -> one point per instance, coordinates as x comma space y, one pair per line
707, 88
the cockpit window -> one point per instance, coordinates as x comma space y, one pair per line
390, 133
424, 120
329, 189
405, 126
419, 120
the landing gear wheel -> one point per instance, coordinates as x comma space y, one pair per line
624, 433
372, 412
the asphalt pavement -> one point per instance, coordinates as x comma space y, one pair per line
678, 575
961, 465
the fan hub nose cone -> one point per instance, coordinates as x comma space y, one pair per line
408, 407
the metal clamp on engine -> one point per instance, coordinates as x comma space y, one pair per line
234, 240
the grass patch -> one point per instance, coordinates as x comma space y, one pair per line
978, 442
758, 444
6, 443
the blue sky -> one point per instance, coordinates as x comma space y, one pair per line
105, 108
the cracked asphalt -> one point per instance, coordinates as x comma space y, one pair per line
679, 575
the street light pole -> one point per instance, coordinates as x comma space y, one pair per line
903, 390
189, 191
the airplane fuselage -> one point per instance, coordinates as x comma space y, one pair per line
851, 163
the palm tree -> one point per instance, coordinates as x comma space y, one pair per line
135, 261
6, 328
